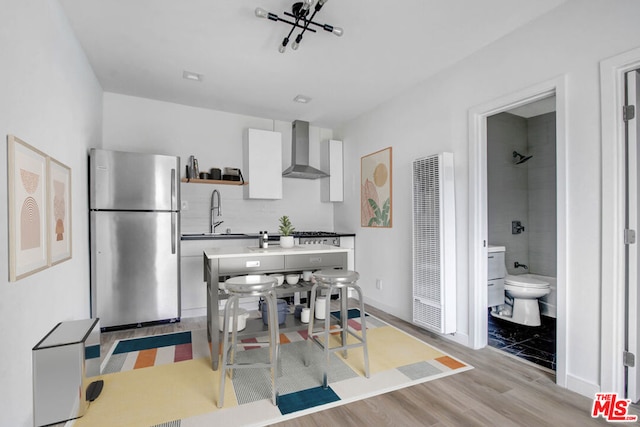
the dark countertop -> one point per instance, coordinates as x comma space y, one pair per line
231, 236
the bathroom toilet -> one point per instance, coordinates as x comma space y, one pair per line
524, 293
521, 300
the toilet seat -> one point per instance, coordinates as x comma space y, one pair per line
525, 282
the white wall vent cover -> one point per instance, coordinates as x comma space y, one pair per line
434, 243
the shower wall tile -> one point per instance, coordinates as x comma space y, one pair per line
525, 192
542, 194
542, 177
517, 250
507, 185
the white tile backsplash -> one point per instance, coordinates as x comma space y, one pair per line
252, 216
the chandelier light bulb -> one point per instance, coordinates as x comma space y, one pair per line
283, 45
300, 12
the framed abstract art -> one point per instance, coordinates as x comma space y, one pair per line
59, 208
27, 181
375, 189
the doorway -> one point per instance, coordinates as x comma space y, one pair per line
632, 321
478, 212
614, 337
521, 189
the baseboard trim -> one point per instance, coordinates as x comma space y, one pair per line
193, 312
457, 337
581, 386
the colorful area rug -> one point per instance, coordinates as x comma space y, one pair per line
167, 380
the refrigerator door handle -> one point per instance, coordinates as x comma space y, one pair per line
173, 232
174, 206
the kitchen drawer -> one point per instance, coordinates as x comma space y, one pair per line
315, 261
495, 289
250, 264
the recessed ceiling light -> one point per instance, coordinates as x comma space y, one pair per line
302, 99
190, 75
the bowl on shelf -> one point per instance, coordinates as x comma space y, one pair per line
279, 278
292, 279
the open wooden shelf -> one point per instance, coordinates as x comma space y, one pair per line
213, 181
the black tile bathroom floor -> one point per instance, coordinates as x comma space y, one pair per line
537, 344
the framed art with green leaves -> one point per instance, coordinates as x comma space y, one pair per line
375, 189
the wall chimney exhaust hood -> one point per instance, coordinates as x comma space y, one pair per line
300, 154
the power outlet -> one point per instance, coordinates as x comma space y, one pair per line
184, 205
379, 284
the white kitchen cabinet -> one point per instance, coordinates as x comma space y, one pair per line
193, 287
350, 243
263, 164
332, 188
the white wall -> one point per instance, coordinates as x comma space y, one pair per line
433, 117
51, 99
215, 138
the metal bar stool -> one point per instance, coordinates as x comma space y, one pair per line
341, 280
241, 287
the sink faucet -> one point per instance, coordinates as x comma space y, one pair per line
216, 210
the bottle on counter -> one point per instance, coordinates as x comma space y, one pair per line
261, 241
265, 240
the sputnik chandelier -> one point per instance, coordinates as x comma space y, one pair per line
299, 12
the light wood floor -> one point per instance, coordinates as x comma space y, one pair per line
500, 391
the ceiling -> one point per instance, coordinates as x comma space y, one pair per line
142, 47
536, 108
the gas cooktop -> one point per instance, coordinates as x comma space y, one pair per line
318, 237
314, 234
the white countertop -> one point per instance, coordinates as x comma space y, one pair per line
241, 251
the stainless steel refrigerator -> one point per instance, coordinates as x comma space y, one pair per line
134, 207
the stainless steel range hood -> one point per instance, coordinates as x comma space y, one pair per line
300, 154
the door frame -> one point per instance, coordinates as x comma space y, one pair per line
478, 233
612, 91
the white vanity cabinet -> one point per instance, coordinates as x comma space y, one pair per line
331, 160
262, 164
496, 272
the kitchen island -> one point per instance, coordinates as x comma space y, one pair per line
220, 263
